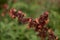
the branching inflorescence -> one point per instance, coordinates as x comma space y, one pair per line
39, 24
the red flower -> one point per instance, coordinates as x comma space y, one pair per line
13, 13
5, 6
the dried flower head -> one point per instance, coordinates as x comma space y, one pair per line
13, 13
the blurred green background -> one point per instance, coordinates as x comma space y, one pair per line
11, 30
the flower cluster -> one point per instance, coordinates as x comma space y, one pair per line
19, 14
38, 24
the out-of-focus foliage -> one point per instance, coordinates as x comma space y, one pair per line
11, 30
